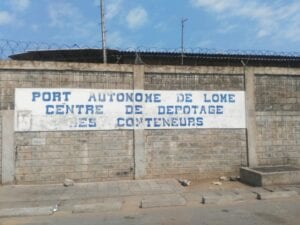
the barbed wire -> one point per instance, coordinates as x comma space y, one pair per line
12, 47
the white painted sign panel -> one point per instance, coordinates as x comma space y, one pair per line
87, 109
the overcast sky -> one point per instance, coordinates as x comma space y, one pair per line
215, 24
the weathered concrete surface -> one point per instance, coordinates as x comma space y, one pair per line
107, 205
85, 156
274, 188
256, 177
18, 212
8, 147
276, 211
128, 195
195, 154
39, 65
58, 193
276, 194
70, 66
138, 74
250, 116
139, 154
208, 153
162, 201
277, 119
225, 197
250, 177
139, 147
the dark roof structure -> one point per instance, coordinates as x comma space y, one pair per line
160, 58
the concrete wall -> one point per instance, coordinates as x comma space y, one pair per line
11, 79
194, 153
278, 119
49, 157
184, 81
271, 137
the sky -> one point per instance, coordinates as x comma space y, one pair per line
272, 25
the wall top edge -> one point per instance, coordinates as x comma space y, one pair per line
39, 65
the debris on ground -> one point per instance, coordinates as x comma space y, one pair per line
223, 178
68, 182
185, 182
234, 178
55, 208
217, 183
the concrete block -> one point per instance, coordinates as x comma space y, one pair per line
270, 175
162, 201
38, 141
30, 211
226, 197
68, 182
276, 194
108, 205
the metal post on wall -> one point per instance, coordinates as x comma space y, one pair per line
182, 39
103, 31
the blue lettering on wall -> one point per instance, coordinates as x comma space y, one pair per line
138, 109
133, 109
48, 96
49, 109
86, 122
189, 109
186, 97
219, 98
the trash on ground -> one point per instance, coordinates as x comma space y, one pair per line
185, 182
217, 183
223, 178
68, 182
55, 208
234, 178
